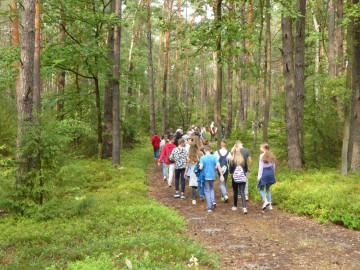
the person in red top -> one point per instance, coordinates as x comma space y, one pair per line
164, 155
155, 141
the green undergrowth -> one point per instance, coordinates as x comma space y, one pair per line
323, 194
116, 226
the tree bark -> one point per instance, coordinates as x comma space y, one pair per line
108, 97
267, 79
230, 71
347, 102
331, 50
355, 105
294, 151
166, 65
300, 72
15, 37
150, 70
116, 86
339, 34
25, 95
218, 18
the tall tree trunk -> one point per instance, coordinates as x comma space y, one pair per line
166, 65
37, 98
300, 72
150, 70
339, 34
25, 95
218, 18
240, 82
267, 79
331, 50
294, 150
215, 78
98, 116
108, 97
317, 55
230, 71
346, 108
116, 86
354, 144
15, 37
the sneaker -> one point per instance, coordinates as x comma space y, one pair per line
226, 198
193, 202
265, 204
245, 210
214, 205
202, 198
183, 197
165, 178
239, 196
246, 197
176, 195
234, 208
222, 199
209, 210
270, 207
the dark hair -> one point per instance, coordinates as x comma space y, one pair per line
207, 148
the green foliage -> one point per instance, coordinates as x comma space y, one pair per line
100, 232
7, 127
321, 194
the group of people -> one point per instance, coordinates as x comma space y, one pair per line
190, 158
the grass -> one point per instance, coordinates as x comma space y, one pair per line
106, 222
323, 194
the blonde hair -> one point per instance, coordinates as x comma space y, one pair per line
236, 155
268, 154
194, 153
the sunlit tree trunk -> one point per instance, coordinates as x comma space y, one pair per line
150, 70
300, 72
15, 37
60, 87
294, 150
116, 86
25, 95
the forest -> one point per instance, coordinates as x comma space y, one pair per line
84, 84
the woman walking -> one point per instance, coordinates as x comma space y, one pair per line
179, 155
266, 174
193, 158
238, 176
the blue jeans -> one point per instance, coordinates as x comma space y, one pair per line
165, 169
262, 193
223, 186
156, 153
209, 193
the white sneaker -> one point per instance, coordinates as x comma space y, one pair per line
270, 207
209, 210
234, 208
265, 204
245, 210
246, 197
193, 202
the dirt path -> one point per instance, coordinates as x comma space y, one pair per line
262, 239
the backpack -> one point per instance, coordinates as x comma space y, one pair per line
171, 157
223, 162
239, 175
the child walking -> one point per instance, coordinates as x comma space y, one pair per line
266, 174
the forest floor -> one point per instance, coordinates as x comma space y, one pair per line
261, 239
